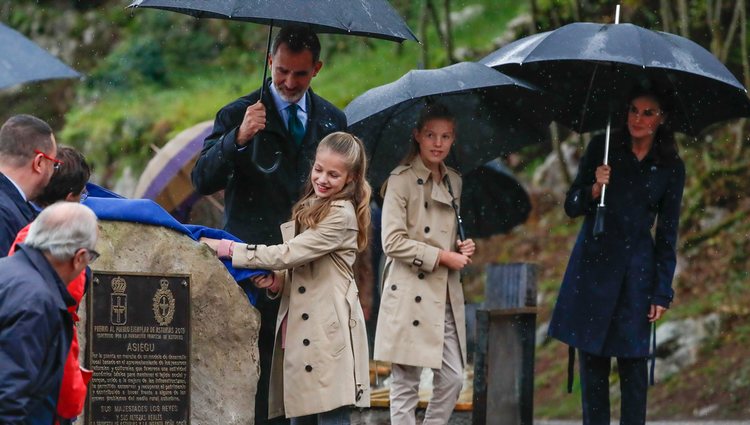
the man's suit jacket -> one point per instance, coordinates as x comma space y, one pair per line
256, 203
15, 214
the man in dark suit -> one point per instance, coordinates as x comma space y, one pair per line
27, 162
290, 119
35, 326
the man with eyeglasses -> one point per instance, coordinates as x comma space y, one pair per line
68, 183
35, 324
27, 161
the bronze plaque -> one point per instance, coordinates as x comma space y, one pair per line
139, 349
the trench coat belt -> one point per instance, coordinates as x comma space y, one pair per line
352, 299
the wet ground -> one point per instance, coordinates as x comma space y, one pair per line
380, 416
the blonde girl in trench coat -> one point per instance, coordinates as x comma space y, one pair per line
421, 319
320, 360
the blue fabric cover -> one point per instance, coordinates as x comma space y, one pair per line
113, 207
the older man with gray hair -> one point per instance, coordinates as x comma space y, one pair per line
35, 325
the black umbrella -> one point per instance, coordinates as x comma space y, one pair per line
493, 201
368, 18
593, 67
495, 114
23, 61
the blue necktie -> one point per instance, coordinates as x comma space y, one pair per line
294, 124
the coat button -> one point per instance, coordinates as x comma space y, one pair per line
393, 287
301, 289
415, 323
305, 342
427, 229
417, 299
420, 181
421, 275
308, 368
305, 316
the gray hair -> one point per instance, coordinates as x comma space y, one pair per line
62, 229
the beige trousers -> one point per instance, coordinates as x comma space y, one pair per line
447, 382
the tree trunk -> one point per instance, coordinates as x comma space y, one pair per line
666, 15
731, 31
682, 9
713, 19
743, 45
555, 135
577, 10
740, 142
449, 31
534, 15
424, 16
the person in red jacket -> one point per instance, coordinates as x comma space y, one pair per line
68, 183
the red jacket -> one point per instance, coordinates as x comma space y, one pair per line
75, 379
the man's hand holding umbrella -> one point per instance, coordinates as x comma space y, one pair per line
253, 122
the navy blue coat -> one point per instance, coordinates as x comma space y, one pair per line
15, 214
35, 334
256, 203
612, 280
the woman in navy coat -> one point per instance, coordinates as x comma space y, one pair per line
619, 282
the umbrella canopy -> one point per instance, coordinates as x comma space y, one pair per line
369, 18
593, 67
166, 179
495, 114
493, 201
23, 61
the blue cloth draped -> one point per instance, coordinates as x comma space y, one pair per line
108, 205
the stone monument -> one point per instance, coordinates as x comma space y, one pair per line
224, 326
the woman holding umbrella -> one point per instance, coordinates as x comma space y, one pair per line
421, 318
618, 283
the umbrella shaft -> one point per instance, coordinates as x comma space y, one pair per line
606, 156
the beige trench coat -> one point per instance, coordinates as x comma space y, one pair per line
325, 363
418, 221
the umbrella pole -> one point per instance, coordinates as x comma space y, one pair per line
277, 155
459, 221
601, 208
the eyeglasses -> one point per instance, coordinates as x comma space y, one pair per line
53, 159
84, 195
92, 255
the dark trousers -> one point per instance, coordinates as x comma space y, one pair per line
595, 389
268, 309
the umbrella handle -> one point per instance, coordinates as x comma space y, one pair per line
277, 155
606, 158
272, 168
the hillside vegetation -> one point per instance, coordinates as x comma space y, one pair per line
152, 74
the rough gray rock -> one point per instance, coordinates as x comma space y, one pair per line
549, 175
679, 341
224, 326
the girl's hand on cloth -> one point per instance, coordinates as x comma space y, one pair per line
268, 281
222, 247
466, 247
453, 260
211, 243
